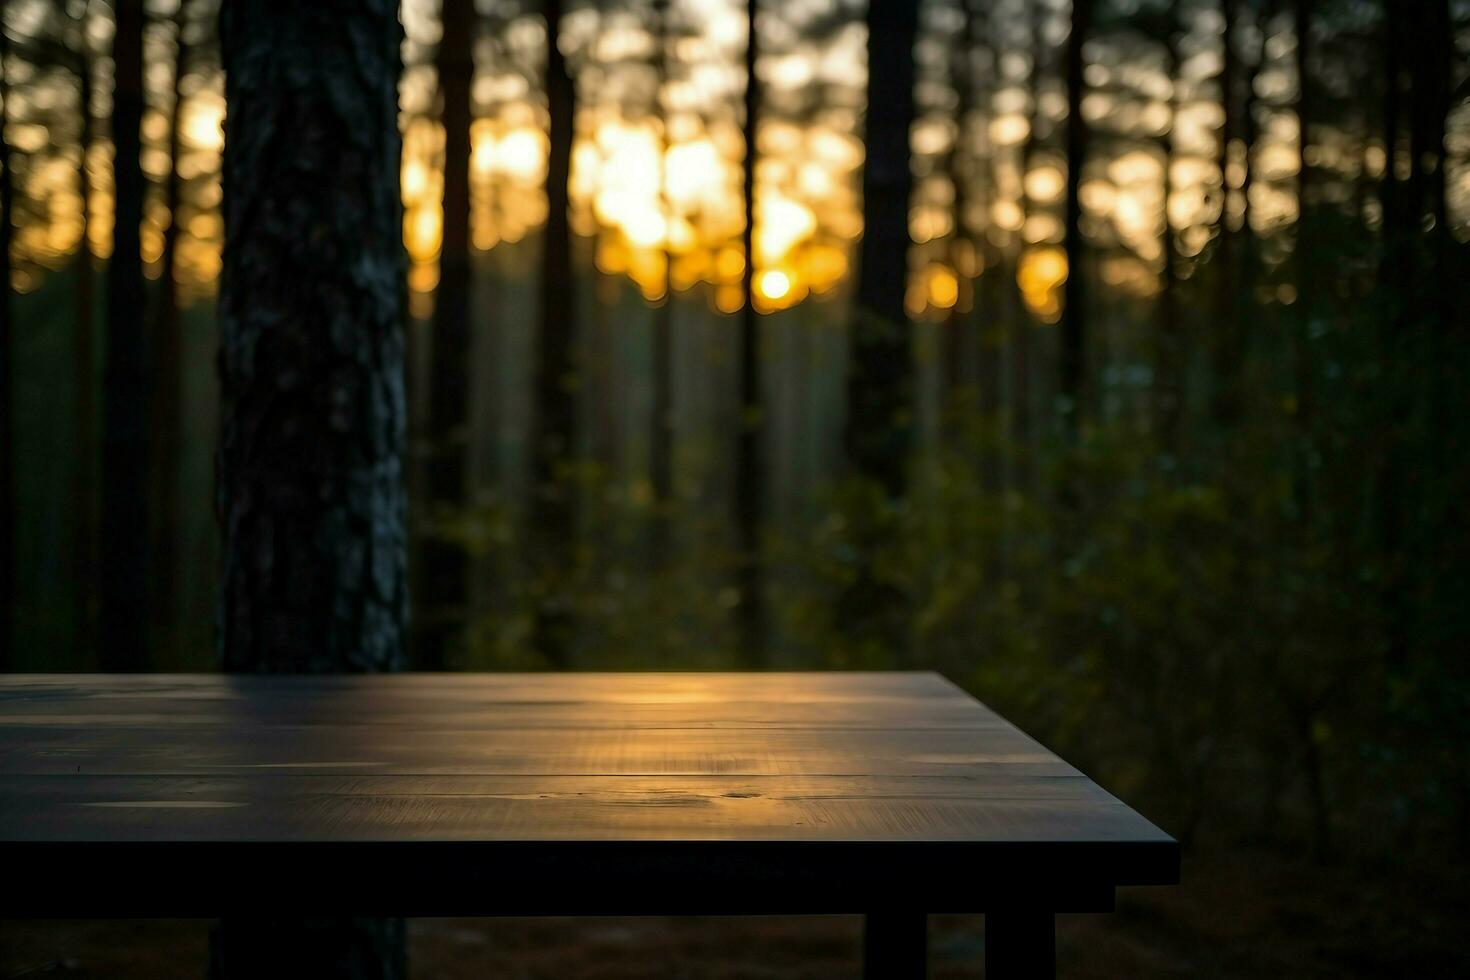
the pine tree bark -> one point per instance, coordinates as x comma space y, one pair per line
311, 474
312, 369
879, 429
125, 565
749, 475
445, 585
553, 502
1073, 355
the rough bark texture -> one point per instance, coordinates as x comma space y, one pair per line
880, 377
553, 506
444, 582
7, 373
312, 362
748, 459
311, 478
1074, 315
125, 565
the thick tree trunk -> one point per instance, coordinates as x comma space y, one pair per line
7, 373
444, 584
553, 503
749, 482
312, 363
311, 472
1074, 315
880, 385
125, 565
166, 430
322, 949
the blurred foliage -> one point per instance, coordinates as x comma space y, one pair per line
1219, 621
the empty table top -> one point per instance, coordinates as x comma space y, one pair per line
555, 793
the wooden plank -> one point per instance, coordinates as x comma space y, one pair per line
160, 748
415, 808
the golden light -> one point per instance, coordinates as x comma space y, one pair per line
1009, 130
944, 288
521, 155
781, 224
204, 124
730, 264
773, 284
1040, 276
1045, 184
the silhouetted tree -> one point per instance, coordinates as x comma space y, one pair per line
1226, 345
445, 565
661, 414
166, 382
880, 376
125, 565
749, 469
961, 57
1170, 392
311, 453
7, 362
553, 506
84, 356
1073, 354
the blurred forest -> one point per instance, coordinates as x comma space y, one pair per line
1108, 356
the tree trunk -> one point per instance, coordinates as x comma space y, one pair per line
311, 473
1302, 257
1226, 348
312, 371
1074, 315
7, 372
445, 585
323, 949
167, 417
749, 482
661, 414
958, 323
880, 377
84, 364
1169, 387
553, 504
125, 565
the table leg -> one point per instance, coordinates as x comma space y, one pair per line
1020, 946
896, 946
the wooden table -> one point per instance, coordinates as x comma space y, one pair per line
884, 794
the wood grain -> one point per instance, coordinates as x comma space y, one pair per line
575, 792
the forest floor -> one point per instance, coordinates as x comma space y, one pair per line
1240, 913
